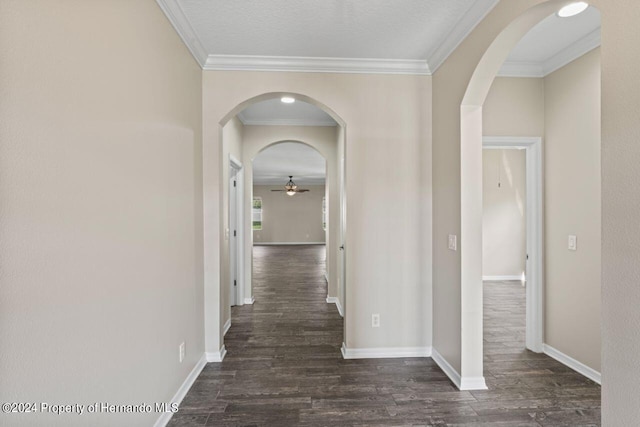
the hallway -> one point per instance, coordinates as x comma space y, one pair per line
284, 367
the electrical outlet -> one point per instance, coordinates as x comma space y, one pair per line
453, 242
375, 320
573, 243
181, 352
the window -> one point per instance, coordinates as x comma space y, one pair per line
324, 213
256, 213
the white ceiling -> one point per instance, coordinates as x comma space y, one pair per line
362, 36
399, 36
553, 43
275, 112
274, 165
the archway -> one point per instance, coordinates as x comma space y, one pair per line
471, 111
217, 313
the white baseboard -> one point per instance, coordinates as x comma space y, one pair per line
217, 356
336, 301
463, 383
453, 375
250, 300
165, 417
226, 327
502, 278
384, 352
572, 363
286, 243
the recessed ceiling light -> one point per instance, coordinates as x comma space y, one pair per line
573, 9
288, 99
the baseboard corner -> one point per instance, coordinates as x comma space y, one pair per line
165, 417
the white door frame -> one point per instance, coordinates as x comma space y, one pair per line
534, 263
237, 165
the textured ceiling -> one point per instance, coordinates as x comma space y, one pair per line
274, 165
553, 35
398, 29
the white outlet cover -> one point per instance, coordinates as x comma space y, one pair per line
453, 242
375, 320
573, 243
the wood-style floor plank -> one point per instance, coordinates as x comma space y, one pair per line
284, 366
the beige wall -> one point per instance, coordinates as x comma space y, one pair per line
514, 107
101, 217
387, 118
572, 206
504, 224
620, 212
290, 219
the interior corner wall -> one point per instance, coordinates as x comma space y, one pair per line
572, 207
386, 118
504, 225
290, 219
101, 218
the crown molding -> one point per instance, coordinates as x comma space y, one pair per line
521, 69
542, 69
465, 25
178, 19
315, 64
573, 52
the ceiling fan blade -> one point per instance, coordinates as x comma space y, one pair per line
302, 191
279, 190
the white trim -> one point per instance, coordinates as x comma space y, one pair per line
463, 383
165, 417
235, 163
449, 371
502, 278
384, 352
316, 64
473, 383
178, 19
216, 357
240, 244
535, 214
465, 25
336, 301
286, 122
226, 327
326, 279
542, 69
249, 300
521, 69
572, 363
286, 243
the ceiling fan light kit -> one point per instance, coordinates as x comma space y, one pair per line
291, 188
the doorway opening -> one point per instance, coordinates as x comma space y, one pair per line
253, 129
512, 244
559, 127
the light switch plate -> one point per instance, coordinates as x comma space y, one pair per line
453, 242
573, 243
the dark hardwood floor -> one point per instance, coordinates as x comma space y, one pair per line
284, 366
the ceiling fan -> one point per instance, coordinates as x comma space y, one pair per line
291, 188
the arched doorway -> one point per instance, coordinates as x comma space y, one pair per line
471, 113
217, 313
